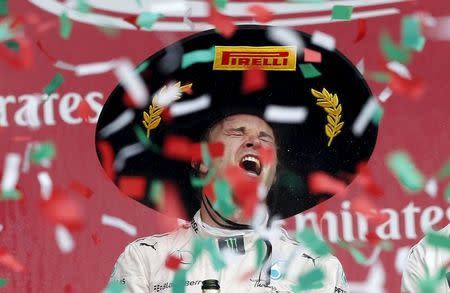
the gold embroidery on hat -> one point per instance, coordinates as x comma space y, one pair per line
330, 103
153, 117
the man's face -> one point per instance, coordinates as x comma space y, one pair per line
243, 137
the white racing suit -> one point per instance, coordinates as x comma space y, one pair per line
425, 261
141, 267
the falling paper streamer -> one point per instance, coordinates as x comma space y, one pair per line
223, 23
309, 71
261, 12
323, 40
64, 239
312, 56
8, 260
65, 26
405, 171
364, 117
391, 51
431, 187
313, 242
120, 122
310, 280
447, 193
11, 170
187, 107
1, 227
412, 37
54, 84
3, 7
147, 19
341, 12
46, 185
198, 56
127, 152
438, 240
362, 30
133, 186
114, 287
132, 83
360, 66
43, 153
285, 114
179, 280
440, 30
3, 282
186, 19
385, 94
92, 68
119, 224
400, 69
286, 37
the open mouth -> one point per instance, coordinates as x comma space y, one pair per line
251, 164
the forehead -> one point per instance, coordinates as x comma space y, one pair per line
247, 121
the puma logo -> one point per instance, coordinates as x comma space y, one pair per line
151, 245
310, 257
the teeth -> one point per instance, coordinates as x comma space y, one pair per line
252, 159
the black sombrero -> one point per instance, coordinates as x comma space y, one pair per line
319, 143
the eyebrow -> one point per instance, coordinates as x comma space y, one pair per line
242, 130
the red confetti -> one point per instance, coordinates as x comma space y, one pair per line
170, 204
362, 30
262, 13
365, 179
50, 57
312, 56
68, 288
107, 155
366, 207
96, 239
215, 150
8, 260
321, 182
84, 111
173, 262
253, 80
81, 188
373, 238
23, 59
183, 149
266, 155
132, 20
413, 88
208, 191
223, 23
133, 186
245, 189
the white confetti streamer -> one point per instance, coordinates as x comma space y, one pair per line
365, 116
125, 153
186, 19
46, 185
374, 282
400, 69
64, 239
431, 187
66, 66
385, 94
26, 157
440, 30
119, 224
95, 68
286, 37
323, 40
360, 66
188, 107
11, 171
285, 114
120, 122
165, 7
1, 227
132, 83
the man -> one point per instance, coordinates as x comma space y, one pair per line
258, 174
427, 262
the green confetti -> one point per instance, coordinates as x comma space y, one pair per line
197, 56
357, 255
224, 203
393, 52
179, 280
156, 192
260, 253
342, 12
412, 37
428, 284
404, 170
5, 32
148, 19
206, 157
114, 287
309, 238
309, 71
44, 151
13, 194
13, 45
54, 84
4, 7
140, 134
65, 25
208, 244
82, 6
380, 76
200, 182
376, 118
144, 65
438, 240
447, 193
444, 171
3, 282
310, 280
220, 4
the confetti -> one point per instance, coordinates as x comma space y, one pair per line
114, 287
82, 189
355, 253
107, 155
412, 37
8, 260
286, 37
64, 240
54, 84
172, 262
223, 24
208, 244
3, 282
262, 14
186, 18
341, 12
133, 186
188, 107
224, 203
309, 71
117, 124
46, 185
11, 171
245, 189
132, 83
438, 240
401, 165
147, 19
119, 224
365, 116
391, 51
5, 32
323, 40
440, 29
412, 88
214, 149
444, 171
179, 279
362, 30
65, 26
285, 114
43, 152
156, 193
380, 76
127, 152
1, 227
197, 56
321, 182
399, 69
83, 6
91, 68
253, 80
312, 56
385, 94
431, 187
447, 193
221, 4
310, 280
313, 242
20, 60
64, 210
360, 66
4, 7
376, 118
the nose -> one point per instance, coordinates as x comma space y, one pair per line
253, 142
